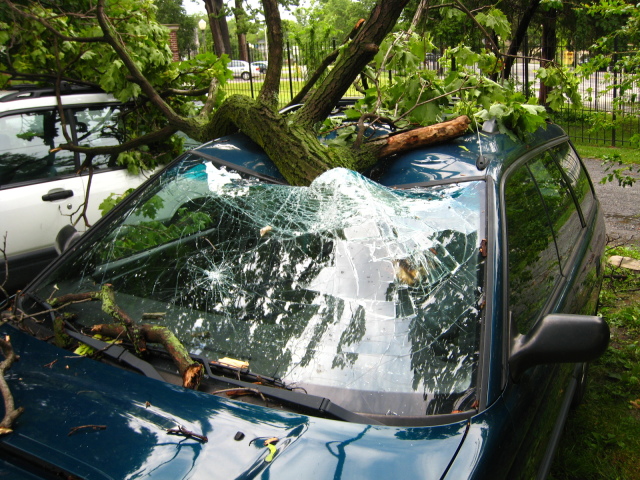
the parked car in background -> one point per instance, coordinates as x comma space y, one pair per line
427, 319
261, 65
242, 69
40, 189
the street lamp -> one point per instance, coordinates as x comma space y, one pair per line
202, 25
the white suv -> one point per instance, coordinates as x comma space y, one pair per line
40, 189
242, 69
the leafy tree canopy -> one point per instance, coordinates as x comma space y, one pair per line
120, 47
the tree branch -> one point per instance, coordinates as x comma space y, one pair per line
11, 413
151, 93
190, 371
493, 45
352, 60
420, 137
139, 335
322, 68
50, 28
113, 149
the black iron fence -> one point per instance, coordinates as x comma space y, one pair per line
609, 115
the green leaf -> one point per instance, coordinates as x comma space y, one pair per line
495, 20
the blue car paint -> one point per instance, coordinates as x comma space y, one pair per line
61, 392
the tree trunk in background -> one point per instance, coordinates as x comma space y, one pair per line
218, 25
518, 38
548, 50
242, 28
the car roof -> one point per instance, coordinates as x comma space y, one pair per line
478, 154
26, 97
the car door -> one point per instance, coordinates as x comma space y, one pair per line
39, 188
546, 236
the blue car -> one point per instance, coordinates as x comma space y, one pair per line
430, 318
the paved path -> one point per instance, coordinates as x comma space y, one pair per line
621, 205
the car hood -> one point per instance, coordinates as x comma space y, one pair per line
94, 421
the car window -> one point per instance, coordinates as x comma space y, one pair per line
570, 163
99, 126
560, 205
353, 291
533, 268
27, 148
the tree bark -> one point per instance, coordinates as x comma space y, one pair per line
218, 26
548, 53
190, 371
296, 151
355, 56
518, 38
420, 137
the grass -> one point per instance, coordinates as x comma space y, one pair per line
628, 155
602, 436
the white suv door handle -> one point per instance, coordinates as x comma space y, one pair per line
57, 194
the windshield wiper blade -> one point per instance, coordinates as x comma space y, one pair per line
118, 353
321, 406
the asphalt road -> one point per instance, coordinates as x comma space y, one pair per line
621, 206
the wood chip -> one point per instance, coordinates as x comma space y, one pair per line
625, 262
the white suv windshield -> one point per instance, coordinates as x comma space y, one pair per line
366, 295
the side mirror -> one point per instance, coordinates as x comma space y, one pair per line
559, 338
67, 236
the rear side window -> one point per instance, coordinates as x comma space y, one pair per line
99, 126
561, 207
533, 268
27, 148
577, 176
544, 227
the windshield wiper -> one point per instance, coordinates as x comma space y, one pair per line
118, 353
320, 406
113, 351
276, 389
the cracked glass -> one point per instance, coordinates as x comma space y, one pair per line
366, 295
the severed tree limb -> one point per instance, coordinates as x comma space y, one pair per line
83, 427
190, 371
109, 306
419, 137
139, 335
11, 413
187, 433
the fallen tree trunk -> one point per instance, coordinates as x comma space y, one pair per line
419, 137
298, 153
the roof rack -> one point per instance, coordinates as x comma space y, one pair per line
25, 90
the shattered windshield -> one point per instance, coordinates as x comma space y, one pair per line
363, 294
